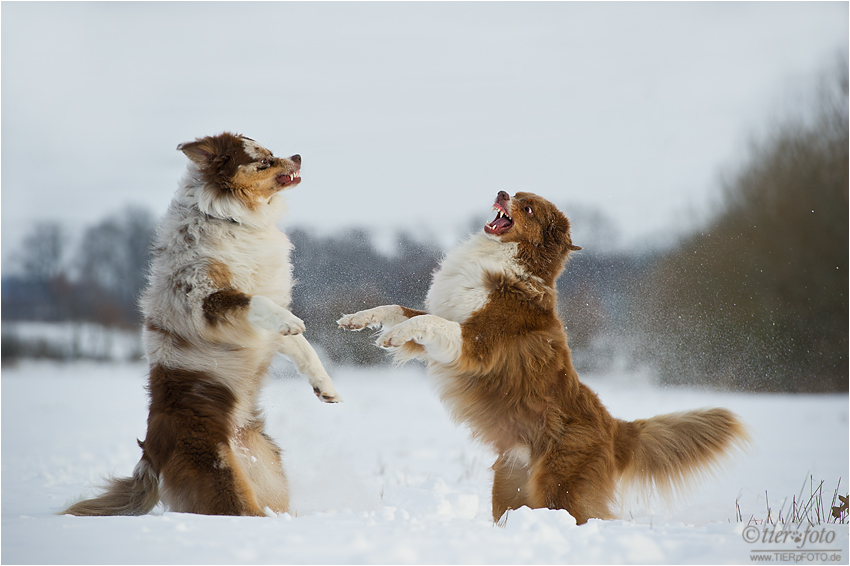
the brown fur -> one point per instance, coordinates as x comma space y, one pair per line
409, 313
514, 385
135, 495
220, 305
187, 410
219, 274
222, 159
205, 450
177, 342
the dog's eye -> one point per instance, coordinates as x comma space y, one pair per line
529, 211
264, 164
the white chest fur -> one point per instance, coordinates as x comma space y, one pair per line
260, 263
458, 288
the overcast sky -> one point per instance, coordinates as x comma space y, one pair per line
407, 115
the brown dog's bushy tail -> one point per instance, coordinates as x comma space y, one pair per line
670, 451
135, 495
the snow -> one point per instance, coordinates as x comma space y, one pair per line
385, 477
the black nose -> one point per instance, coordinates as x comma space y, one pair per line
296, 158
504, 196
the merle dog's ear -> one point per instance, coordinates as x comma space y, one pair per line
200, 151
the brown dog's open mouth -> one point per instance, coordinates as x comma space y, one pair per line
501, 224
289, 179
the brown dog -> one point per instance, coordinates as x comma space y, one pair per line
499, 354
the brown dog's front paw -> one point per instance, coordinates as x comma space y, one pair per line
358, 320
346, 323
395, 337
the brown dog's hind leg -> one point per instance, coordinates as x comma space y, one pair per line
510, 481
584, 488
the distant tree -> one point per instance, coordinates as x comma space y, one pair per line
113, 260
42, 251
758, 299
592, 228
345, 273
39, 288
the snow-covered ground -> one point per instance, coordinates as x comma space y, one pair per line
385, 477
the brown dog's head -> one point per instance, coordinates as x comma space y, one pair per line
541, 231
239, 168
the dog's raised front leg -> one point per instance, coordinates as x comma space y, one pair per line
385, 317
267, 314
307, 362
441, 338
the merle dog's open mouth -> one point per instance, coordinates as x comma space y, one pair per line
288, 179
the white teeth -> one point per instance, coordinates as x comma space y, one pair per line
500, 213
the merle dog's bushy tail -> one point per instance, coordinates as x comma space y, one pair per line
135, 495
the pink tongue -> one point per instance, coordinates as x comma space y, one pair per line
500, 223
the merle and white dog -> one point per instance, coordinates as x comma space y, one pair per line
215, 315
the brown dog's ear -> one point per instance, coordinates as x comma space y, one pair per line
200, 151
559, 229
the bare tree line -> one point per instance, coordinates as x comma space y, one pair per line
101, 279
756, 299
